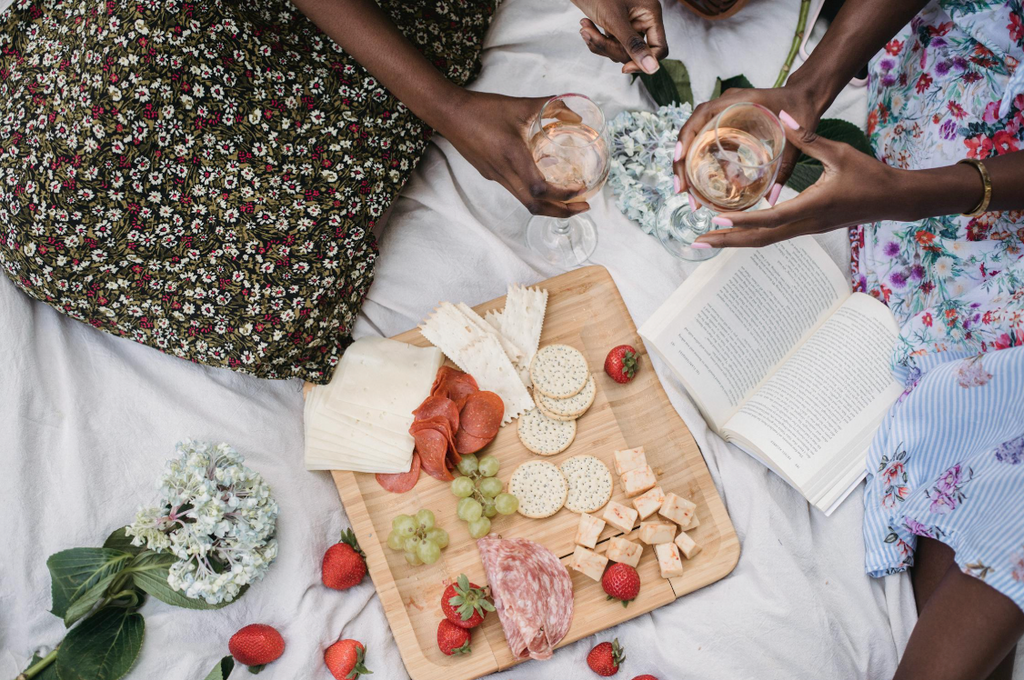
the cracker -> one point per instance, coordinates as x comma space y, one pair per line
540, 488
571, 408
590, 483
545, 436
522, 321
559, 371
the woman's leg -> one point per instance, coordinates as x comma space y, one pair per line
966, 629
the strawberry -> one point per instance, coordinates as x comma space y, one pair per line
345, 659
256, 645
605, 658
465, 604
645, 677
452, 639
621, 582
344, 563
622, 363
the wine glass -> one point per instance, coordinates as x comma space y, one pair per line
730, 166
570, 146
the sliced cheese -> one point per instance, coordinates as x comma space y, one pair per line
638, 480
620, 517
687, 545
588, 562
625, 551
677, 509
668, 560
649, 502
655, 533
629, 459
589, 530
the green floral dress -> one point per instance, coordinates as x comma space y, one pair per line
203, 177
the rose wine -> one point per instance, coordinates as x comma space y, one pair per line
572, 154
730, 171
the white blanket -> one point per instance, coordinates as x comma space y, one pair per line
88, 420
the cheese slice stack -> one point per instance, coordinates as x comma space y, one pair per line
360, 420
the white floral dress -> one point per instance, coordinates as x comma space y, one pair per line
947, 463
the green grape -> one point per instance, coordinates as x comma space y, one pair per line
489, 509
469, 509
413, 559
489, 466
439, 536
462, 487
409, 544
428, 552
506, 503
467, 465
425, 518
395, 540
404, 525
480, 527
489, 486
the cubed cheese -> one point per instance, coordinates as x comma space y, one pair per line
668, 560
638, 480
619, 516
687, 545
649, 503
653, 533
589, 563
694, 523
677, 509
629, 459
623, 550
590, 528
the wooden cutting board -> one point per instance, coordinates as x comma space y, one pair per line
586, 311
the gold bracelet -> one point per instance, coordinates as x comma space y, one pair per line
985, 180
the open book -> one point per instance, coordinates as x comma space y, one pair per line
784, 361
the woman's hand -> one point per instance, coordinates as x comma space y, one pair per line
796, 100
492, 132
853, 189
634, 33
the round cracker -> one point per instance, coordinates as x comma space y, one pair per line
590, 483
559, 371
540, 488
571, 408
545, 436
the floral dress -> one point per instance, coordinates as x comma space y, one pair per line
203, 177
947, 462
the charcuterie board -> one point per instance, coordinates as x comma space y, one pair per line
586, 311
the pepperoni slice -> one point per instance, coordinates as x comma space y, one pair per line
402, 481
438, 423
466, 443
432, 446
444, 375
482, 414
461, 387
437, 405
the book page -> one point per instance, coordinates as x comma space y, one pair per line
728, 329
826, 399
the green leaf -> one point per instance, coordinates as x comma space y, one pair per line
119, 540
103, 647
48, 673
670, 84
150, 570
808, 170
74, 574
84, 604
717, 92
739, 82
222, 670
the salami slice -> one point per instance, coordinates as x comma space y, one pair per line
532, 593
401, 481
436, 405
432, 445
466, 443
482, 414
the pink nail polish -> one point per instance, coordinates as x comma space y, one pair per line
699, 245
693, 203
721, 221
675, 183
679, 151
773, 197
788, 121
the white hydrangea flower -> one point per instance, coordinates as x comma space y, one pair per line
216, 516
643, 144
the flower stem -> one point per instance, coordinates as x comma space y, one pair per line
801, 27
39, 666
